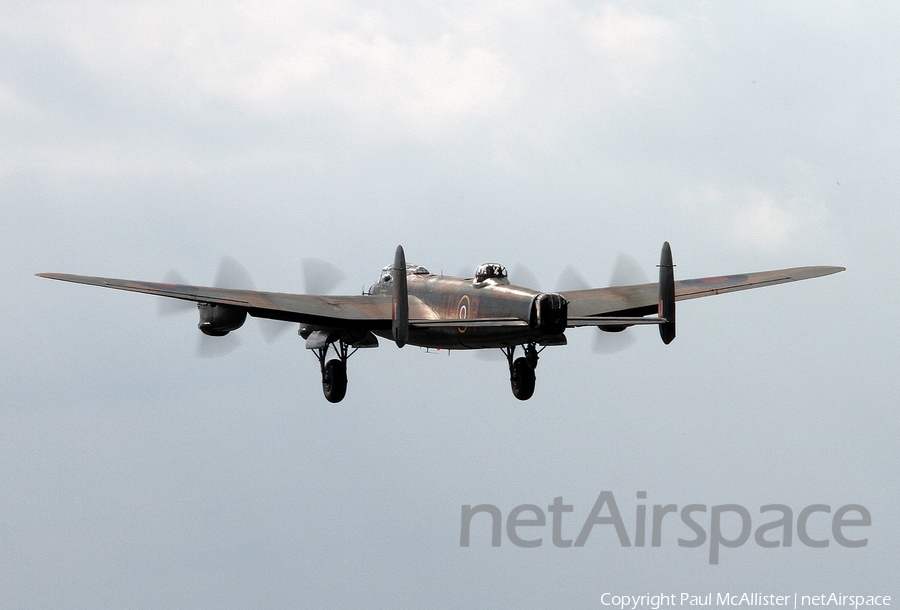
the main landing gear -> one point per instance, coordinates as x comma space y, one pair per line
345, 344
521, 370
334, 371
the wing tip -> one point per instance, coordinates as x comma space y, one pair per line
67, 277
806, 273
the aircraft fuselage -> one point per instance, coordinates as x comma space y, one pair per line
445, 297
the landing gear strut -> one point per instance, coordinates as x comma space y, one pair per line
334, 371
521, 370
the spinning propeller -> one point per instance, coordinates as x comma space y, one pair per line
319, 277
626, 271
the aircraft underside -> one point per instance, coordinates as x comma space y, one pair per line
481, 338
521, 370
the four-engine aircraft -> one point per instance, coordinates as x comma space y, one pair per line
410, 305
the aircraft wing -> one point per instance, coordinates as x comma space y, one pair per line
616, 305
363, 311
643, 299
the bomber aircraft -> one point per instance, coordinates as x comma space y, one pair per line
410, 305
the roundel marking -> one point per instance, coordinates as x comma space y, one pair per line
462, 310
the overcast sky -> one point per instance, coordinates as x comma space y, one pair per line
141, 137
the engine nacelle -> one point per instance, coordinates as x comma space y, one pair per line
219, 320
549, 313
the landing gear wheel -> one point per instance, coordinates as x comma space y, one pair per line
521, 379
334, 380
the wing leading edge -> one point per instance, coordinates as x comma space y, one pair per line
643, 299
364, 311
616, 305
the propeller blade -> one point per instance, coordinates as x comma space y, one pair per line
466, 272
523, 276
232, 274
613, 343
627, 271
320, 277
490, 355
166, 306
272, 330
570, 279
215, 347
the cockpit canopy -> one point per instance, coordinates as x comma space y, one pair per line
488, 271
410, 270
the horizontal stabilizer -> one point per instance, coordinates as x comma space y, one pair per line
573, 322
